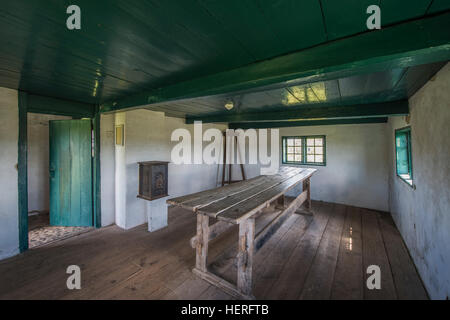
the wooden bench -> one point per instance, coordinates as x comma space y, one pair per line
240, 203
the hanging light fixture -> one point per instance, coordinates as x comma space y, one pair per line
229, 105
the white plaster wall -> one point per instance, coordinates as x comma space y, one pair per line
145, 140
107, 167
120, 176
423, 215
9, 134
38, 160
147, 137
356, 172
185, 179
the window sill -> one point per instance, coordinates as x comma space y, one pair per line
303, 164
406, 178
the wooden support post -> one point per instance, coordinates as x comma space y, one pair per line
231, 160
245, 256
202, 242
243, 172
224, 157
241, 161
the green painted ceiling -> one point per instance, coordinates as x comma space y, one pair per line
127, 46
395, 84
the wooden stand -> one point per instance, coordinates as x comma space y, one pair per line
229, 164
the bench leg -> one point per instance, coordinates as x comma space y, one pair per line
307, 209
245, 256
202, 242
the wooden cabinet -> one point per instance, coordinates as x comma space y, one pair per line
153, 180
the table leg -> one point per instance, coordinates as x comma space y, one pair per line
202, 242
307, 209
307, 187
245, 256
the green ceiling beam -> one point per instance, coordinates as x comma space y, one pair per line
395, 108
406, 44
55, 106
283, 124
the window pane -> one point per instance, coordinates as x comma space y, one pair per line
401, 140
403, 154
319, 142
295, 147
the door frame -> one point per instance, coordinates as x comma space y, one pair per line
45, 105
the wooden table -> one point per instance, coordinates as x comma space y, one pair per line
240, 203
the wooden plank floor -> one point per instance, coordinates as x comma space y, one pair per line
320, 257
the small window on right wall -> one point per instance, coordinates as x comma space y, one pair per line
403, 154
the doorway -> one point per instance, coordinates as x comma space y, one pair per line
60, 201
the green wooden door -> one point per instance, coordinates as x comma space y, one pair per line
70, 173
